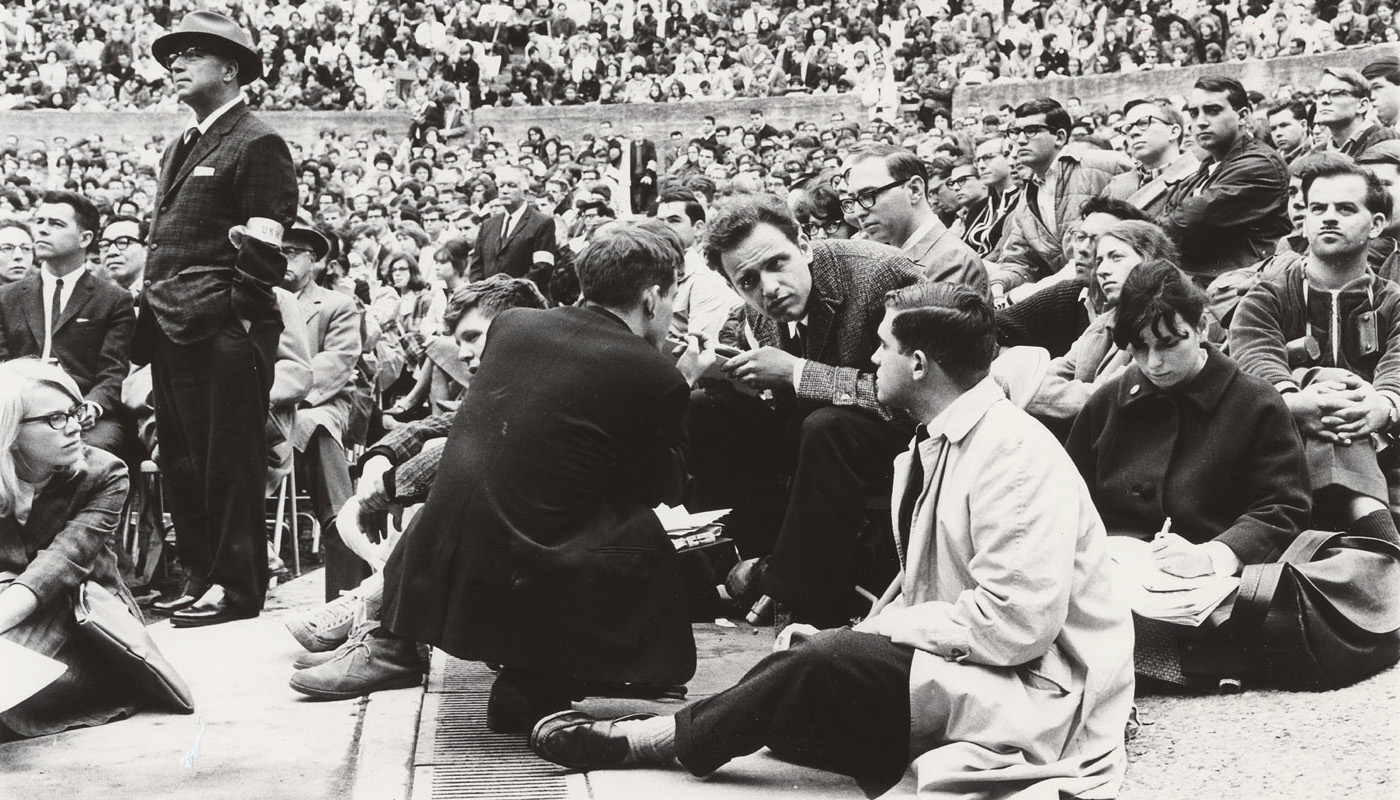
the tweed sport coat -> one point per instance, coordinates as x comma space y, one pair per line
93, 340
849, 281
196, 280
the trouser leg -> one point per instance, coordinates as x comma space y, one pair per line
839, 702
843, 456
330, 488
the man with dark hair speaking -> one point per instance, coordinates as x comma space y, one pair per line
999, 659
209, 322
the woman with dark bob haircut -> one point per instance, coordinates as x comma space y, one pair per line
1186, 452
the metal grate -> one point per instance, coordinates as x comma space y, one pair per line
458, 758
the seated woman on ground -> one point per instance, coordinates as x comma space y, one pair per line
59, 505
1182, 440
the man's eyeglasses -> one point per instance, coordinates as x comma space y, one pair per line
11, 249
58, 420
186, 54
1140, 125
289, 251
868, 198
1333, 95
1015, 131
828, 227
121, 243
958, 182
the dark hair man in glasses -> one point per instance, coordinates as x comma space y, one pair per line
64, 313
885, 190
1231, 213
1062, 177
122, 250
1153, 131
800, 401
1344, 107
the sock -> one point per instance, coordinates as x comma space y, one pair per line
649, 741
1377, 524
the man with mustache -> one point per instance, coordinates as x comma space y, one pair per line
1326, 333
805, 404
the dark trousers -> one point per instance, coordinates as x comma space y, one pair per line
111, 434
211, 401
837, 457
838, 702
328, 483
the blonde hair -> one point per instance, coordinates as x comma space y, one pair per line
18, 379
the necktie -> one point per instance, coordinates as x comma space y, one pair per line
55, 308
797, 345
183, 150
505, 231
912, 488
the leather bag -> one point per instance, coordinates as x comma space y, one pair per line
109, 625
1327, 613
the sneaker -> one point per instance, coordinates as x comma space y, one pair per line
370, 665
328, 626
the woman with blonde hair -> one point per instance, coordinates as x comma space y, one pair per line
59, 506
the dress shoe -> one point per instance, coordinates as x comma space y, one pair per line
369, 665
213, 608
576, 740
168, 606
744, 582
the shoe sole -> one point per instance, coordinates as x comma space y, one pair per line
184, 622
312, 641
314, 693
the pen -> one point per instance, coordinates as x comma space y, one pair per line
1166, 529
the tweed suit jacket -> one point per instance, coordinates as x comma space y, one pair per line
196, 280
93, 340
333, 327
530, 253
849, 281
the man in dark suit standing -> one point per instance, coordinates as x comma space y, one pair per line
521, 242
209, 322
538, 548
642, 166
64, 313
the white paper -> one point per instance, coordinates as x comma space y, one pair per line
1160, 595
679, 522
26, 672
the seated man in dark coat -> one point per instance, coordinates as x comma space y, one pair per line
537, 548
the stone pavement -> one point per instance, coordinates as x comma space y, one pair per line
253, 737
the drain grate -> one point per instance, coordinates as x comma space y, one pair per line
459, 759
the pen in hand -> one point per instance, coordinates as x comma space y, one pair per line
1166, 529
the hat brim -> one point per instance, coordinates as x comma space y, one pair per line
249, 61
320, 245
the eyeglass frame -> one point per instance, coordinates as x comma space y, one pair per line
1333, 95
122, 243
23, 248
75, 414
290, 250
1140, 125
1014, 132
957, 183
867, 198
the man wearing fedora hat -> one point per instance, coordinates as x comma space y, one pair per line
209, 322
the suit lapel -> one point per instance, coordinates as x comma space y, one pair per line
310, 304
524, 218
202, 148
830, 296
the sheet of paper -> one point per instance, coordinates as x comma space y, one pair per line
26, 672
678, 521
1159, 595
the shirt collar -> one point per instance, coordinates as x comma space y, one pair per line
203, 127
1203, 391
69, 280
962, 415
922, 231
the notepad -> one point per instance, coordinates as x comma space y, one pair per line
26, 672
1160, 595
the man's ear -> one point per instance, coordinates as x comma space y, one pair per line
651, 298
919, 365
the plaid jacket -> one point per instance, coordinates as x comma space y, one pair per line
849, 283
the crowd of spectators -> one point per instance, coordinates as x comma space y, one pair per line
363, 55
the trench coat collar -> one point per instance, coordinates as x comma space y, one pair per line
956, 421
1204, 391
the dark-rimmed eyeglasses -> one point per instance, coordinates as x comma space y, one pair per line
1333, 95
1015, 131
827, 227
121, 243
869, 197
186, 54
292, 250
1140, 125
59, 420
958, 182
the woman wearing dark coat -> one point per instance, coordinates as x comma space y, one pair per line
59, 505
1184, 435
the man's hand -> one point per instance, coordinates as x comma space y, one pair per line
696, 358
371, 493
1306, 406
1179, 557
92, 412
764, 368
1354, 412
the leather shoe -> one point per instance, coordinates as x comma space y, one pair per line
169, 605
744, 581
576, 740
511, 709
216, 612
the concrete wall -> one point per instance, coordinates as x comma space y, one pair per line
1115, 90
569, 122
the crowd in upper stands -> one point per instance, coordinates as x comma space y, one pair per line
413, 56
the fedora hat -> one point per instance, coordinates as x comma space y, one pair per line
217, 32
304, 232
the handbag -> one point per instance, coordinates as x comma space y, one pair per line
1327, 613
110, 627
